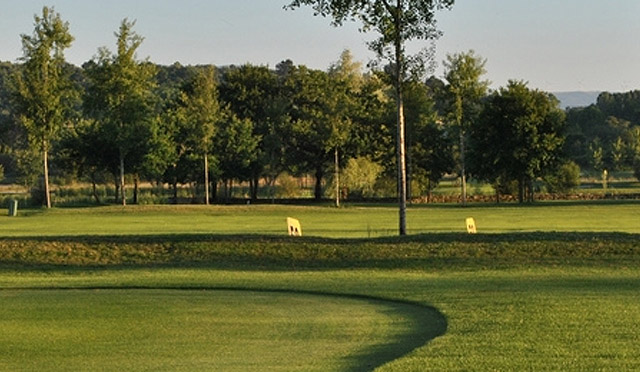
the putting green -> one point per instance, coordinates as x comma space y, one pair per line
111, 329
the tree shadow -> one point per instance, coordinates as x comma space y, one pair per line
427, 323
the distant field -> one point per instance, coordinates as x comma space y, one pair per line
322, 221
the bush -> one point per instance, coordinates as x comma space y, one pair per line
360, 176
288, 187
636, 168
565, 179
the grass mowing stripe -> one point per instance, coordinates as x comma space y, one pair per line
136, 328
349, 222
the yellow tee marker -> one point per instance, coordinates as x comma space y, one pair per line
294, 227
471, 225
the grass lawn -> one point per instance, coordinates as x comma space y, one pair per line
354, 221
179, 330
538, 318
516, 299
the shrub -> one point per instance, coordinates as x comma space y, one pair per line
360, 176
288, 187
565, 179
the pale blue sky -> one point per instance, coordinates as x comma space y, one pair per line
555, 45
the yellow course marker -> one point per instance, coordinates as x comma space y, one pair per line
471, 225
294, 227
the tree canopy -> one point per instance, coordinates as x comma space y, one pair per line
43, 88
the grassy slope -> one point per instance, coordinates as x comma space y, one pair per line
525, 301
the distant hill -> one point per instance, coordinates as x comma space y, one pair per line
576, 99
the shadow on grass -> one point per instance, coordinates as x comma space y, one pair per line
274, 253
424, 322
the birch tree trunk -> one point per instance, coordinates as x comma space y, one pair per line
206, 179
45, 161
123, 194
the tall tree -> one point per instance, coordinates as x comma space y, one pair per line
43, 88
519, 137
429, 144
255, 93
320, 123
120, 98
236, 149
397, 22
466, 90
347, 73
200, 111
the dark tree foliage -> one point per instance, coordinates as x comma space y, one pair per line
255, 93
518, 137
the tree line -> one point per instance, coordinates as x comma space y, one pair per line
119, 118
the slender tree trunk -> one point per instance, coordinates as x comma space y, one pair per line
116, 184
136, 181
521, 190
317, 192
175, 189
206, 179
94, 188
402, 168
337, 176
463, 168
45, 161
407, 157
214, 190
402, 165
123, 194
254, 188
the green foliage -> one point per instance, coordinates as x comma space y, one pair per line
235, 147
466, 90
44, 92
636, 168
256, 93
360, 177
565, 179
288, 186
529, 129
431, 147
394, 22
605, 135
320, 121
120, 98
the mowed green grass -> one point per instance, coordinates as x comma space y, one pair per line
322, 221
188, 330
504, 301
562, 318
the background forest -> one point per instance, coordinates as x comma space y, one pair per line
118, 120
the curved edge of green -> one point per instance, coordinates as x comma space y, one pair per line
429, 322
